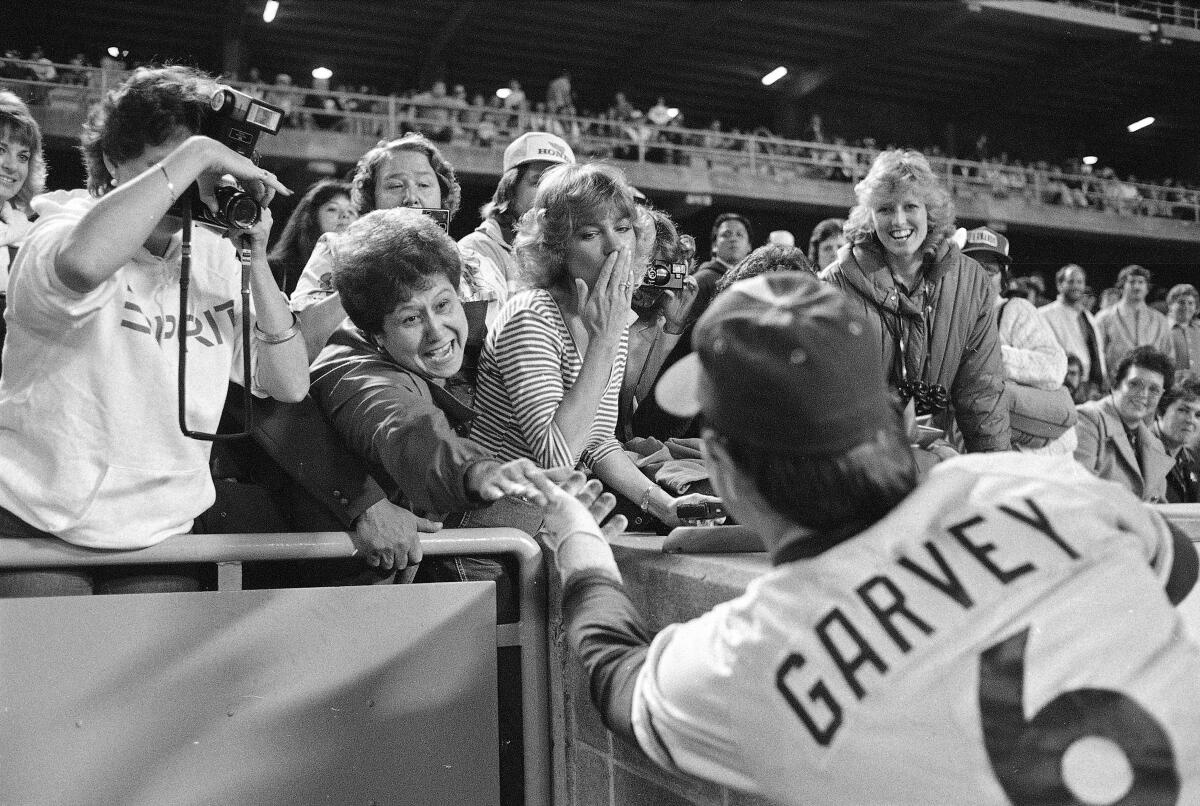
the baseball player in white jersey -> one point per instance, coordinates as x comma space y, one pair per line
1002, 634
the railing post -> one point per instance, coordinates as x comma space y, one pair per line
229, 576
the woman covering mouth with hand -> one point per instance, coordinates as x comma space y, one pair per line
929, 305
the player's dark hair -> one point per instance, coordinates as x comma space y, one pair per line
854, 488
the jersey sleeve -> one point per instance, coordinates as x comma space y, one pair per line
680, 710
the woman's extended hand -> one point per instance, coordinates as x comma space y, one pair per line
604, 308
492, 480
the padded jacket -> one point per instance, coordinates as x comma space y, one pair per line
948, 325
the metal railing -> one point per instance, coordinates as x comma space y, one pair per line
229, 551
769, 158
1164, 11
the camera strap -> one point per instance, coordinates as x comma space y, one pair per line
185, 267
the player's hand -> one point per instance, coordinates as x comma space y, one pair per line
571, 508
388, 537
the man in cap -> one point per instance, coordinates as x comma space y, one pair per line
931, 644
1074, 326
990, 250
525, 160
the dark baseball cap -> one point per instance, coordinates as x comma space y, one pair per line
783, 361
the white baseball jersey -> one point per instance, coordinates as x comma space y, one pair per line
1001, 637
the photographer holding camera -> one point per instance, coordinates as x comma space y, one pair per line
91, 448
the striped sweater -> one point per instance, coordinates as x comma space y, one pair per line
529, 361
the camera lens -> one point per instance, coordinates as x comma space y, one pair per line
656, 276
236, 208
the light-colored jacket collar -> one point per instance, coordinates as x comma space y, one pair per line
1155, 463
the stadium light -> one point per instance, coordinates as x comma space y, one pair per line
503, 93
322, 73
1140, 124
114, 51
1090, 160
773, 76
270, 10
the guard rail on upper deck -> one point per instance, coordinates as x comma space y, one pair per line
62, 106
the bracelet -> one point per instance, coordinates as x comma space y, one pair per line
278, 338
170, 184
644, 503
669, 332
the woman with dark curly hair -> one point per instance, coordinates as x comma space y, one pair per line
325, 207
552, 365
930, 306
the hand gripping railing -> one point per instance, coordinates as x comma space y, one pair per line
229, 551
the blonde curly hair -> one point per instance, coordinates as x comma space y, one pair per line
566, 195
893, 174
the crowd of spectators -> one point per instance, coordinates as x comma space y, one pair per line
447, 112
832, 395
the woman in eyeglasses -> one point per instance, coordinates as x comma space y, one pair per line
929, 306
1115, 439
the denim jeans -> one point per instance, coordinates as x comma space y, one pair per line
94, 579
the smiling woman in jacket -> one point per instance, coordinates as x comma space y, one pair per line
930, 307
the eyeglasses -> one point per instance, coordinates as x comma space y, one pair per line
1139, 387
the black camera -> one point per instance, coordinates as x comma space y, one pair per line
665, 275
927, 398
235, 120
442, 217
703, 511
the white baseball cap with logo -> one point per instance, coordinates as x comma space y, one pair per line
537, 146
